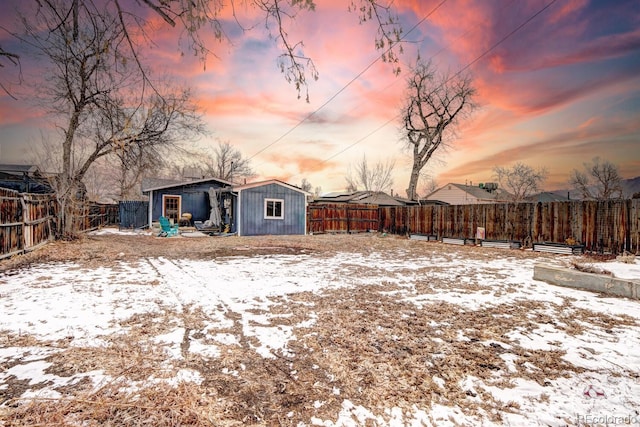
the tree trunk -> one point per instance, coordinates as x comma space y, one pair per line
412, 191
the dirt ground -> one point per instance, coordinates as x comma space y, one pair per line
374, 349
106, 249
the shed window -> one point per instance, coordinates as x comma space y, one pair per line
273, 209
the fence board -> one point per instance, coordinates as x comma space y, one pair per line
342, 218
634, 226
28, 221
612, 225
11, 241
40, 211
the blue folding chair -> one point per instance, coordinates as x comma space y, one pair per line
166, 229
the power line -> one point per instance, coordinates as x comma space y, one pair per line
334, 96
478, 58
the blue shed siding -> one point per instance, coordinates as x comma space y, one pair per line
195, 199
252, 221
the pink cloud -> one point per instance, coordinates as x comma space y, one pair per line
605, 47
566, 9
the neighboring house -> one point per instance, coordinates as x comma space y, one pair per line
364, 197
25, 179
459, 194
172, 199
270, 207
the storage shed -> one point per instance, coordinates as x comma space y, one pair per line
270, 207
174, 199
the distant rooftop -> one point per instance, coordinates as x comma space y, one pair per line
19, 169
364, 197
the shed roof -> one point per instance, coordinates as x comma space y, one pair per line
268, 182
152, 184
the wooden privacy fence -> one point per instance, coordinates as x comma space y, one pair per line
607, 225
91, 215
27, 221
342, 218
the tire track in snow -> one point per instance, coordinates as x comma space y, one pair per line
188, 290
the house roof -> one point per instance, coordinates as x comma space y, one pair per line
364, 197
268, 182
477, 192
547, 196
25, 180
19, 169
427, 202
152, 184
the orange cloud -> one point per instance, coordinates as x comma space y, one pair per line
560, 152
304, 164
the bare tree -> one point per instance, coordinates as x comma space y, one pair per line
227, 163
433, 106
520, 180
11, 58
306, 185
376, 178
98, 94
132, 165
428, 184
180, 169
100, 182
600, 180
389, 32
201, 19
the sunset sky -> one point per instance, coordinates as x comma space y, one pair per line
559, 91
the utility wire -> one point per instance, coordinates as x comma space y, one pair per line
478, 58
334, 96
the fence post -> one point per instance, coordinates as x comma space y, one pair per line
26, 220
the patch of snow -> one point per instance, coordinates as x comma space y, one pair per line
63, 301
619, 269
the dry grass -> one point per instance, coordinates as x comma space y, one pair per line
366, 345
589, 268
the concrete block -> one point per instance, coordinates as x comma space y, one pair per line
568, 277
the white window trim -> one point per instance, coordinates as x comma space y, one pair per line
281, 210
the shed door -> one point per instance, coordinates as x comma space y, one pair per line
171, 207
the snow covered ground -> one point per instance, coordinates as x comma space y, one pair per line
242, 302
